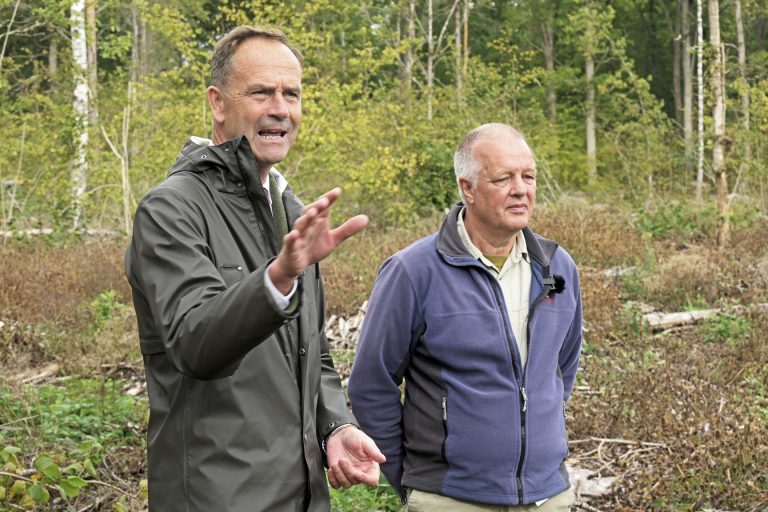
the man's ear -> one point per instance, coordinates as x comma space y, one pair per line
466, 189
216, 101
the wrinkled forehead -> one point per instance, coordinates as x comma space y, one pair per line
505, 151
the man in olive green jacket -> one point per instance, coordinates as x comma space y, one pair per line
244, 398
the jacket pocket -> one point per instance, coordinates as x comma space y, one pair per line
231, 274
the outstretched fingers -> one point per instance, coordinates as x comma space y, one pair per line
349, 228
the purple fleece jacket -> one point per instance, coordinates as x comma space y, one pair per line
472, 423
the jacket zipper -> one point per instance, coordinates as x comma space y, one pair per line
520, 382
267, 245
544, 291
444, 405
521, 387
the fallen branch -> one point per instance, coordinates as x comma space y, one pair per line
584, 506
616, 441
662, 321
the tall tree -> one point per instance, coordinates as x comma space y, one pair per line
436, 47
687, 61
80, 165
743, 92
717, 84
677, 43
92, 67
700, 98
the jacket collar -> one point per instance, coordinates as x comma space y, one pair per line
233, 161
450, 245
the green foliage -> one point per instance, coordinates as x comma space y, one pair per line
83, 416
676, 220
65, 430
728, 327
36, 489
361, 498
105, 306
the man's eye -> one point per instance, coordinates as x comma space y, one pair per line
501, 182
529, 177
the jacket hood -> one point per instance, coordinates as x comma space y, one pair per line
230, 160
449, 243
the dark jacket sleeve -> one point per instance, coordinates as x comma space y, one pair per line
570, 351
382, 354
205, 327
332, 408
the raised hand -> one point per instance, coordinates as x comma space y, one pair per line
311, 240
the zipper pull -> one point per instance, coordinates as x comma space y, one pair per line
445, 408
525, 399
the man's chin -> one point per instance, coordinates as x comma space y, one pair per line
271, 155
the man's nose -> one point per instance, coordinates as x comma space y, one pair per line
278, 107
517, 185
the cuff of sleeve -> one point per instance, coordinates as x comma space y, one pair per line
336, 429
282, 301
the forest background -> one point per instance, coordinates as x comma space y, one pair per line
648, 119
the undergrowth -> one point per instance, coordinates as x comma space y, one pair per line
696, 393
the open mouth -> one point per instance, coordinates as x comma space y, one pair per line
272, 134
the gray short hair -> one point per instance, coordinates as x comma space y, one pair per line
465, 165
221, 62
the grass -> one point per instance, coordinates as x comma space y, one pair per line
700, 391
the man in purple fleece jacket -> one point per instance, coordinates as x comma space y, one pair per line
483, 322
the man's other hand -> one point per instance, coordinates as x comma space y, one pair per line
353, 458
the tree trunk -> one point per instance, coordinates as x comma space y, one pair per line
53, 57
8, 32
466, 37
677, 44
93, 79
760, 31
590, 124
687, 89
744, 93
430, 60
700, 80
548, 47
80, 104
457, 57
717, 83
410, 22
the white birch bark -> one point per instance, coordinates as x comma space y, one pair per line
717, 84
79, 174
744, 93
687, 89
590, 122
700, 102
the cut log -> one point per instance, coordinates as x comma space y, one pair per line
661, 321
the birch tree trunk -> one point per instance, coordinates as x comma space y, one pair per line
677, 64
717, 84
53, 57
466, 37
93, 79
457, 57
8, 32
744, 93
548, 47
430, 60
410, 23
687, 89
590, 123
700, 113
79, 56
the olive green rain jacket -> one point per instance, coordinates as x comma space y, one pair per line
238, 405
